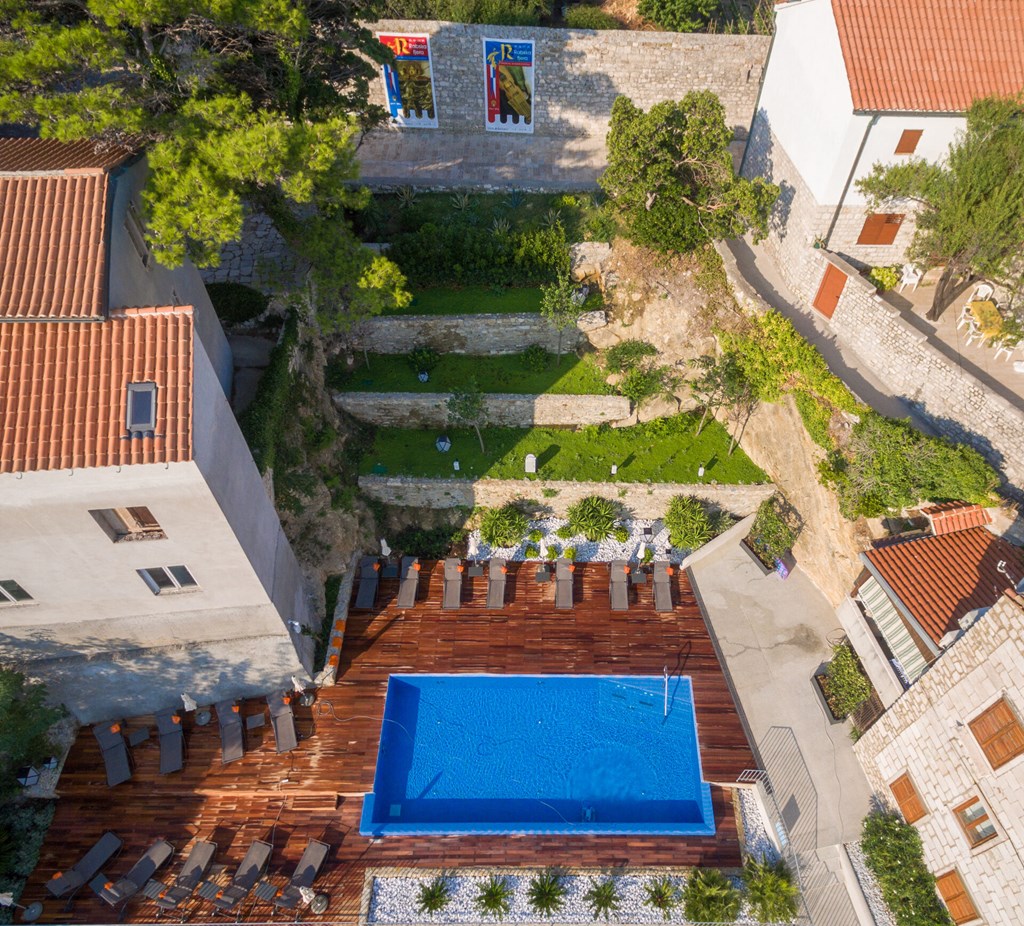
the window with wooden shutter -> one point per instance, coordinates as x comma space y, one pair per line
908, 141
880, 228
954, 894
128, 524
975, 821
999, 733
908, 799
830, 290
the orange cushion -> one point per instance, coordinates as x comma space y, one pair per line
460, 567
235, 708
56, 875
504, 569
175, 718
376, 566
416, 566
333, 661
115, 728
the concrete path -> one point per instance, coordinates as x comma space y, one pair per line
773, 636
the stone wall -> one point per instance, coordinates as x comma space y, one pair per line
643, 500
259, 258
578, 73
925, 734
418, 410
460, 334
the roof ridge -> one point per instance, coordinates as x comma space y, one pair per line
135, 311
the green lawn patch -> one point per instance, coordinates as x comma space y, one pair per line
494, 373
472, 300
665, 450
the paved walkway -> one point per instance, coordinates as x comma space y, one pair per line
773, 636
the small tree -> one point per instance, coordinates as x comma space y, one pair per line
561, 306
24, 721
742, 403
719, 379
466, 409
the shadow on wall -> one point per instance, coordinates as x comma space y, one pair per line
758, 162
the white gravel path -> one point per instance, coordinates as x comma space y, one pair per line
755, 828
869, 885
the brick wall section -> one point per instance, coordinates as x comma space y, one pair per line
578, 73
416, 410
460, 334
643, 500
925, 733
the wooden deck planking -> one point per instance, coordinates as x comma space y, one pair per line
316, 791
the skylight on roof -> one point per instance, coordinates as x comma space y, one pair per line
141, 407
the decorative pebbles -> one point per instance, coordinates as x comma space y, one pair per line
869, 885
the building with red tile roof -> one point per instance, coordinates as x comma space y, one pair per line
955, 516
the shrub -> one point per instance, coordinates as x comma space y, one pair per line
590, 17
621, 533
662, 894
535, 536
640, 385
503, 527
885, 277
593, 517
817, 417
687, 522
709, 897
536, 359
494, 897
492, 12
628, 355
531, 551
428, 542
569, 553
771, 535
423, 359
603, 898
771, 893
433, 896
24, 722
546, 893
235, 303
678, 15
647, 556
601, 226
263, 421
565, 532
892, 850
846, 686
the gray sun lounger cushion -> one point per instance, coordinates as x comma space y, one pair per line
409, 582
369, 581
200, 857
115, 752
618, 585
245, 878
232, 736
172, 741
282, 718
497, 573
306, 873
452, 599
563, 584
662, 587
154, 858
85, 869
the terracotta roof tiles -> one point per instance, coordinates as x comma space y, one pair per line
955, 516
19, 155
930, 55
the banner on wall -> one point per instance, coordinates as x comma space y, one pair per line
409, 82
508, 85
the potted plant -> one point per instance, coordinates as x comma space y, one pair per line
841, 683
772, 535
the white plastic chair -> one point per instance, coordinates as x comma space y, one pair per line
965, 316
911, 277
1008, 349
974, 333
982, 292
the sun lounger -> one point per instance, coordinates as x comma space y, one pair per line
282, 719
245, 878
86, 868
200, 857
618, 585
452, 599
232, 736
115, 752
305, 874
497, 572
409, 582
563, 584
369, 581
663, 587
127, 887
172, 741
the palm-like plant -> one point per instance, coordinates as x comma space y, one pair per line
603, 898
593, 516
770, 889
546, 892
662, 894
494, 898
710, 897
434, 895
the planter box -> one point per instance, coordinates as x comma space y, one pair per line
765, 570
816, 684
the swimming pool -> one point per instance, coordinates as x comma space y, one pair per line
492, 754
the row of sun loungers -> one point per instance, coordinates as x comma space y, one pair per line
451, 596
232, 732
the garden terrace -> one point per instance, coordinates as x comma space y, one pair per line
472, 300
316, 790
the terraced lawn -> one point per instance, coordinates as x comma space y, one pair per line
665, 450
494, 373
472, 300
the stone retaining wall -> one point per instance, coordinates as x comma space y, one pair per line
419, 410
643, 500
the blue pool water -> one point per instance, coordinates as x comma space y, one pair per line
463, 754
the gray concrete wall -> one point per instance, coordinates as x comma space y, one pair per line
642, 499
416, 410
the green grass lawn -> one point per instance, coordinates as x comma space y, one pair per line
494, 373
665, 450
472, 300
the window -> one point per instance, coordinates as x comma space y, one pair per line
974, 820
880, 228
128, 524
12, 593
908, 799
141, 406
908, 141
999, 733
164, 579
958, 902
137, 233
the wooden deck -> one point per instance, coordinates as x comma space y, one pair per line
316, 791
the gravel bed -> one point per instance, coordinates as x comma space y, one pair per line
755, 828
586, 550
880, 911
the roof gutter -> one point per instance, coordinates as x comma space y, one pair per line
849, 179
